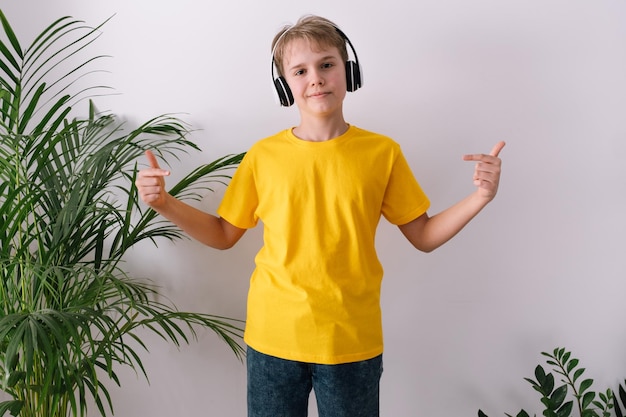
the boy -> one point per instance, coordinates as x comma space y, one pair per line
314, 319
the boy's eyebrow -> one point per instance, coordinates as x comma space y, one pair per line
324, 58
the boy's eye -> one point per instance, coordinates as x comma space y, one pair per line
299, 72
327, 65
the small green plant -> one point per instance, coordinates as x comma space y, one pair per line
571, 391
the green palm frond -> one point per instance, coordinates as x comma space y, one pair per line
619, 400
69, 211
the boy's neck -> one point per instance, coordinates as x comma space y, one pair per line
320, 129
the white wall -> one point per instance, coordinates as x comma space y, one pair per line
542, 267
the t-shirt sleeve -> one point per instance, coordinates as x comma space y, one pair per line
240, 201
404, 198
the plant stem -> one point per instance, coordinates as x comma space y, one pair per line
570, 382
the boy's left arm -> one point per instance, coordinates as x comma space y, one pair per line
428, 233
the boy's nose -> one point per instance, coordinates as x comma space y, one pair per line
316, 78
317, 81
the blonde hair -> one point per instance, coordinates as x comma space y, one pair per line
318, 30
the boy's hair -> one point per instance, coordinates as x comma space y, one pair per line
320, 31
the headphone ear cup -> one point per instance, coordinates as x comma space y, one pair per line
285, 97
353, 76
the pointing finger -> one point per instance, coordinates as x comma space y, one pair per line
154, 164
496, 149
152, 160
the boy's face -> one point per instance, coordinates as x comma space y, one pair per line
316, 77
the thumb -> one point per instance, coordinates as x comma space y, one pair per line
152, 160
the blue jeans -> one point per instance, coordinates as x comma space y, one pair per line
281, 388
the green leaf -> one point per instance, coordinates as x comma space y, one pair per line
30, 109
566, 410
548, 384
566, 357
572, 364
14, 407
585, 385
617, 397
540, 374
533, 383
578, 373
14, 378
9, 72
587, 399
558, 396
8, 30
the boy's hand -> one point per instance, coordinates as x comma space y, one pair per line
151, 184
487, 171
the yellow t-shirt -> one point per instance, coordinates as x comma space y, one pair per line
315, 292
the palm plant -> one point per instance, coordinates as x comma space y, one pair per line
69, 212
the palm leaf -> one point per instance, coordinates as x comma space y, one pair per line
620, 409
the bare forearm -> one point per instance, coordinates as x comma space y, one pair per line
204, 227
428, 233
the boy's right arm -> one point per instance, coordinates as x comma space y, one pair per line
208, 229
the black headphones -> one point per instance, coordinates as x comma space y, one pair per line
353, 74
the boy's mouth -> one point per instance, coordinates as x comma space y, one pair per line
318, 94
